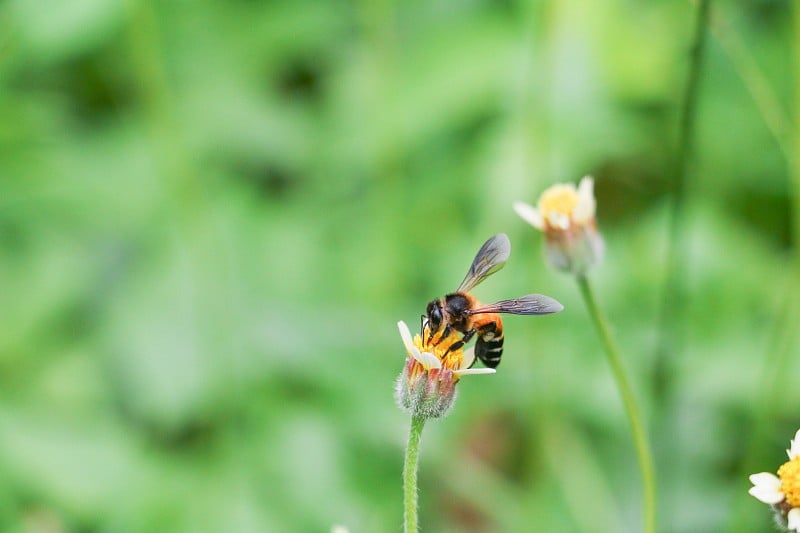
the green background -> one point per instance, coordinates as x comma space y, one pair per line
213, 214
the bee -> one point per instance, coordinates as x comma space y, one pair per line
461, 312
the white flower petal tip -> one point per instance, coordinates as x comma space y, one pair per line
405, 334
474, 371
793, 519
587, 205
426, 359
586, 186
469, 357
794, 446
766, 488
765, 479
529, 214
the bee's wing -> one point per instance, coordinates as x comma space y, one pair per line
532, 304
490, 258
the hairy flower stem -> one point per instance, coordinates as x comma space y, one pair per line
634, 418
410, 475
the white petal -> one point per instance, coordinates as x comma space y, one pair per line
794, 519
765, 479
558, 220
529, 214
473, 371
427, 359
405, 334
587, 205
794, 447
766, 488
469, 357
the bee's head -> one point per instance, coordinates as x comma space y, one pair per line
435, 316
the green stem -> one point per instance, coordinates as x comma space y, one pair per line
795, 167
756, 82
782, 344
671, 309
410, 475
631, 409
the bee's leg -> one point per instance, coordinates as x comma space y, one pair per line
466, 338
468, 335
422, 328
455, 346
458, 344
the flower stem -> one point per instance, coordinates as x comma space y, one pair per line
755, 81
410, 475
671, 306
631, 409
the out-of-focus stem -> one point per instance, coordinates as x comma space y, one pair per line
775, 117
795, 170
154, 91
672, 300
631, 409
783, 340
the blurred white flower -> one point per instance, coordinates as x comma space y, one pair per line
566, 216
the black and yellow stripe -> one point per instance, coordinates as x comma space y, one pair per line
489, 346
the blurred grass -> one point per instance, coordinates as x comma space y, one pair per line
212, 216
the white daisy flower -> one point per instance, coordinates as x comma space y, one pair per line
782, 492
426, 387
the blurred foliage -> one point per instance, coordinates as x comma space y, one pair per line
212, 214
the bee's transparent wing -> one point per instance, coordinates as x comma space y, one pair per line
532, 304
490, 258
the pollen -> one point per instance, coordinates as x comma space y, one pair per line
440, 347
789, 475
561, 198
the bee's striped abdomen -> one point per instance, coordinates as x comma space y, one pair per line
489, 346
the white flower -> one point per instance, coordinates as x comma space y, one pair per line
782, 492
566, 215
459, 365
426, 387
561, 206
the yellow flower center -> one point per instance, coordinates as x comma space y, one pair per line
451, 359
789, 474
559, 198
